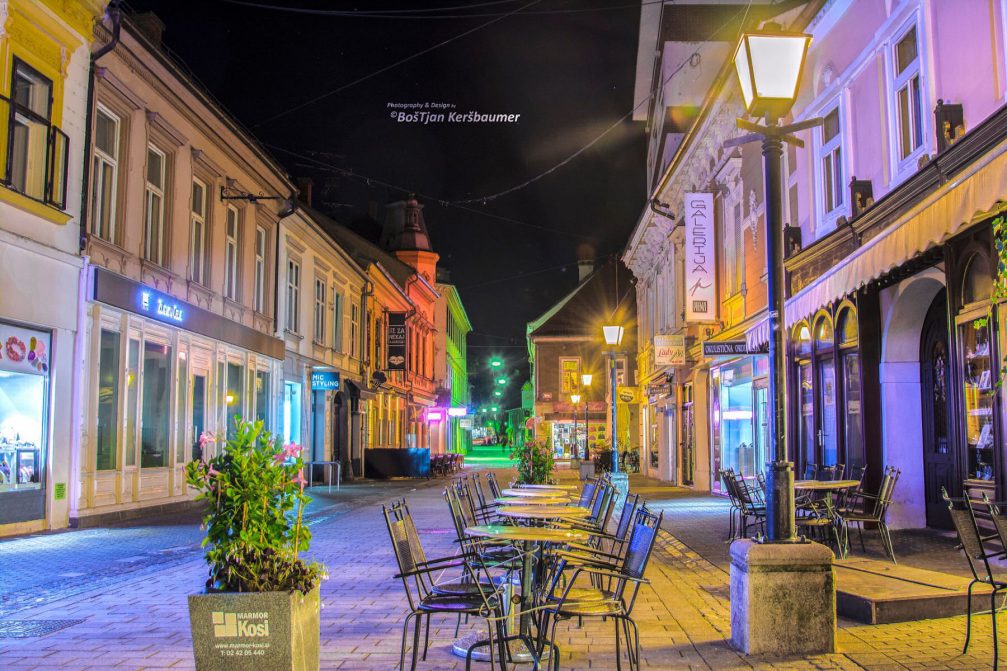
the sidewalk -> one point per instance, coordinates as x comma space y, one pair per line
140, 621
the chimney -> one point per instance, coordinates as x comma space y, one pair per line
150, 25
584, 268
304, 186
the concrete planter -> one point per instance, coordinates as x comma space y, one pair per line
586, 470
260, 630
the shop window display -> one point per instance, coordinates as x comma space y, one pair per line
156, 405
738, 449
24, 384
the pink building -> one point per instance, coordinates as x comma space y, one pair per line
891, 257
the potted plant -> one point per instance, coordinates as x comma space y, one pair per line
534, 463
261, 606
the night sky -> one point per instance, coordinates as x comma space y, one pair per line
569, 74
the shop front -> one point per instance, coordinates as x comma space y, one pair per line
163, 373
738, 428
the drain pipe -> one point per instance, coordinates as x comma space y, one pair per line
114, 14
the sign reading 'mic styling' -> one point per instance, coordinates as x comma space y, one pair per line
700, 259
396, 341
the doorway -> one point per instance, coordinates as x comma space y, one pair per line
938, 458
198, 413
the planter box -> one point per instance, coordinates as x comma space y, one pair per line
586, 470
260, 630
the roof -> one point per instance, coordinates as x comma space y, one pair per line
606, 294
362, 250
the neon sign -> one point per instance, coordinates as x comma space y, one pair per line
457, 412
162, 308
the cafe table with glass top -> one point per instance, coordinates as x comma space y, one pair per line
563, 488
531, 541
534, 493
527, 501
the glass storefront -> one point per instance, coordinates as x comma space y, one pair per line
735, 394
24, 392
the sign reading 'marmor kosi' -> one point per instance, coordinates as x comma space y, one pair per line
700, 259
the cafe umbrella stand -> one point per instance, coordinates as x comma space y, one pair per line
783, 593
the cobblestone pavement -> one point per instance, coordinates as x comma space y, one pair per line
139, 619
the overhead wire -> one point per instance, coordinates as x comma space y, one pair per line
391, 66
432, 14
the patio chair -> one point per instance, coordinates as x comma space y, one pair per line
587, 493
415, 572
491, 479
727, 480
615, 600
826, 473
839, 472
845, 496
751, 505
614, 544
820, 521
810, 471
972, 542
873, 509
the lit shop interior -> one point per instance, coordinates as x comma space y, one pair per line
22, 421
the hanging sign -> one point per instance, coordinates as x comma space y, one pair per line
730, 348
669, 350
324, 380
395, 338
700, 259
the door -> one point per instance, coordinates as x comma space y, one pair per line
688, 437
938, 460
827, 441
198, 413
762, 447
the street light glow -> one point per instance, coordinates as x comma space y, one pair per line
613, 335
585, 379
575, 398
501, 380
496, 363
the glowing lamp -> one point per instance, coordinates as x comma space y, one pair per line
495, 408
575, 398
457, 412
498, 393
769, 65
501, 380
435, 416
230, 398
613, 335
496, 363
585, 379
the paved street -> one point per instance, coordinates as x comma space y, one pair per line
132, 614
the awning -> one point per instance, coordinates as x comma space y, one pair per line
757, 337
359, 391
968, 198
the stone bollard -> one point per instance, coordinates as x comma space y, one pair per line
783, 598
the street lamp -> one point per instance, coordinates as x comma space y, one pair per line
495, 362
769, 65
575, 399
613, 338
501, 380
585, 381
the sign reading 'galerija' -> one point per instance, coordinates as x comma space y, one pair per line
700, 266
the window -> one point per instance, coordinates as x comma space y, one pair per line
293, 296
231, 229
262, 397
569, 376
181, 404
197, 246
849, 366
235, 396
155, 405
154, 214
337, 320
260, 270
832, 163
37, 151
132, 396
107, 434
105, 168
354, 330
908, 103
320, 311
734, 252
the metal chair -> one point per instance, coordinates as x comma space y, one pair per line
819, 518
750, 504
964, 519
615, 600
810, 471
840, 471
415, 572
867, 508
491, 479
826, 473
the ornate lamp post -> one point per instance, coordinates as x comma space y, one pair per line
585, 381
613, 338
769, 65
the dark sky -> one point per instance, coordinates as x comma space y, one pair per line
569, 75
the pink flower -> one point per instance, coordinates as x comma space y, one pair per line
205, 438
280, 457
299, 480
292, 450
211, 471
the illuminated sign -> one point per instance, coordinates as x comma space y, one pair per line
730, 348
700, 259
669, 350
435, 416
324, 380
165, 309
457, 412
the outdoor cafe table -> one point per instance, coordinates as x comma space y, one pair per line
527, 501
531, 540
824, 485
566, 488
543, 512
534, 493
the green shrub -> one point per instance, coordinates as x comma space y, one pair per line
254, 530
534, 463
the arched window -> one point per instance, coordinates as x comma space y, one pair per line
823, 334
802, 341
805, 392
826, 392
978, 282
848, 335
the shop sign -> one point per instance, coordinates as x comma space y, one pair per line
700, 259
729, 348
395, 339
465, 423
669, 350
24, 350
324, 380
161, 306
627, 395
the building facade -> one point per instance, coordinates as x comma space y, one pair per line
321, 289
179, 328
891, 207
451, 430
567, 342
45, 57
